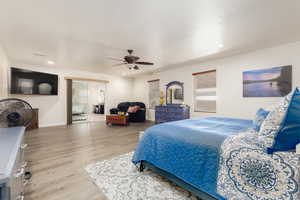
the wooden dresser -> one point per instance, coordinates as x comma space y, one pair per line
171, 112
12, 163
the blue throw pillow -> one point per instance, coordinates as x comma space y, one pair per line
288, 136
261, 115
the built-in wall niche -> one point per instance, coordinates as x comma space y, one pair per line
29, 82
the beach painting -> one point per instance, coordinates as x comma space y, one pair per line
272, 82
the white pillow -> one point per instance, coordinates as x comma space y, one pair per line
272, 123
298, 149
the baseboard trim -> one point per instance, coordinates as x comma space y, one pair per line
50, 125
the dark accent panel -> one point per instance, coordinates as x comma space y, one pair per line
69, 101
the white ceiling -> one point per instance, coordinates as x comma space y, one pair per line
83, 34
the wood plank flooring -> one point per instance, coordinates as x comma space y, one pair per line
57, 157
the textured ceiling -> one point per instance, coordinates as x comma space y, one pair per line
83, 34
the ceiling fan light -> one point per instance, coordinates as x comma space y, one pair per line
50, 62
131, 61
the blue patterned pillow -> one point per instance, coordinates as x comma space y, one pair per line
273, 122
260, 117
288, 135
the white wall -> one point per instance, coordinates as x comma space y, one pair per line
4, 64
52, 109
94, 94
230, 101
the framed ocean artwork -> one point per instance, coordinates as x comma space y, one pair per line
271, 82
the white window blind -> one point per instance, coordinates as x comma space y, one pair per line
205, 95
153, 93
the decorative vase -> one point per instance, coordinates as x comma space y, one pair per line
161, 98
45, 88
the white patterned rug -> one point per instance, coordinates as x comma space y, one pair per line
119, 179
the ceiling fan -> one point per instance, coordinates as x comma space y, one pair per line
131, 61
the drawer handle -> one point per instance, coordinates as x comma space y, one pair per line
20, 197
24, 164
24, 146
26, 182
20, 172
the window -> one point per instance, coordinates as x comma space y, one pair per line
153, 93
205, 91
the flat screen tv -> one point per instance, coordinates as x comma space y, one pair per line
33, 83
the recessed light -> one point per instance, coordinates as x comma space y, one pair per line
50, 62
220, 45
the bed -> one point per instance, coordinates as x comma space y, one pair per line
218, 158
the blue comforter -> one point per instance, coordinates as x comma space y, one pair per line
189, 149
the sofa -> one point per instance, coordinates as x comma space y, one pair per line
138, 116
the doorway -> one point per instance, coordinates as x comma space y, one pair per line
86, 101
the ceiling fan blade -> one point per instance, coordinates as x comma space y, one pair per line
144, 63
116, 59
116, 65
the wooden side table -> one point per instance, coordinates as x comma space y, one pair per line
117, 119
35, 120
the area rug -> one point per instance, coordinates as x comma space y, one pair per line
119, 179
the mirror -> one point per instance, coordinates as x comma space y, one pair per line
174, 93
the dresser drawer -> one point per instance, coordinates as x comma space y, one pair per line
159, 108
16, 183
171, 113
12, 163
176, 109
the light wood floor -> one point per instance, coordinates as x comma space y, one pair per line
57, 157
